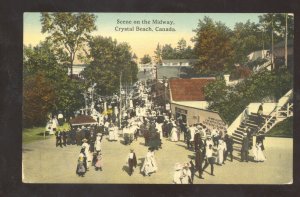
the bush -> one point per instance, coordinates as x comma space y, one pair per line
231, 101
282, 129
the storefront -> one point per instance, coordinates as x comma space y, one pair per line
193, 115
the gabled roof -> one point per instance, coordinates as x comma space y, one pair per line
82, 120
189, 89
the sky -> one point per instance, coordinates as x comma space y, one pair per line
141, 42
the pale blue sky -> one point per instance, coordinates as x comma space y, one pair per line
142, 42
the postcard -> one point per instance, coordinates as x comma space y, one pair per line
158, 98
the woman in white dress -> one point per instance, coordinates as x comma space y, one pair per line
174, 136
86, 147
98, 143
149, 165
158, 127
258, 153
221, 149
111, 135
186, 174
177, 173
116, 133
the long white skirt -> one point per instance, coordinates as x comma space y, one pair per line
258, 154
111, 135
174, 136
220, 157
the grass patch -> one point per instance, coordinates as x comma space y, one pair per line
33, 134
282, 129
37, 133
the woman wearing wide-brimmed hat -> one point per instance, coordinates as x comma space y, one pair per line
177, 173
86, 149
81, 165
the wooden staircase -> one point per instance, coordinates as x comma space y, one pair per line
263, 124
252, 122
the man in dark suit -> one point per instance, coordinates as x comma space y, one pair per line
245, 148
229, 144
58, 138
132, 162
199, 160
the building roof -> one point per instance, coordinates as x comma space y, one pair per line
82, 120
178, 60
189, 89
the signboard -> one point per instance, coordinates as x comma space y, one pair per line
168, 107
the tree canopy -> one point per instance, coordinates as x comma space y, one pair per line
231, 101
41, 63
146, 59
69, 32
108, 59
212, 45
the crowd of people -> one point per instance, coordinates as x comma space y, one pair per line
211, 145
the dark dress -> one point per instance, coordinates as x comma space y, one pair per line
132, 163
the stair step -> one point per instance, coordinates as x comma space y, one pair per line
239, 131
237, 142
250, 121
250, 125
237, 135
256, 115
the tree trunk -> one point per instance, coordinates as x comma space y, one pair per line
71, 70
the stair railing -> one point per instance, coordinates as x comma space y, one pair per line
283, 101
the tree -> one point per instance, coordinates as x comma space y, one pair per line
146, 59
168, 52
38, 99
188, 53
108, 59
231, 101
42, 60
134, 57
212, 45
158, 53
276, 22
247, 38
69, 32
181, 47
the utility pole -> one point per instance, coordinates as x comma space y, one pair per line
272, 58
120, 112
285, 47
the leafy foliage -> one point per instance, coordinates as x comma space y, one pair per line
146, 59
40, 62
38, 99
282, 129
247, 37
69, 32
108, 59
182, 51
231, 101
212, 45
